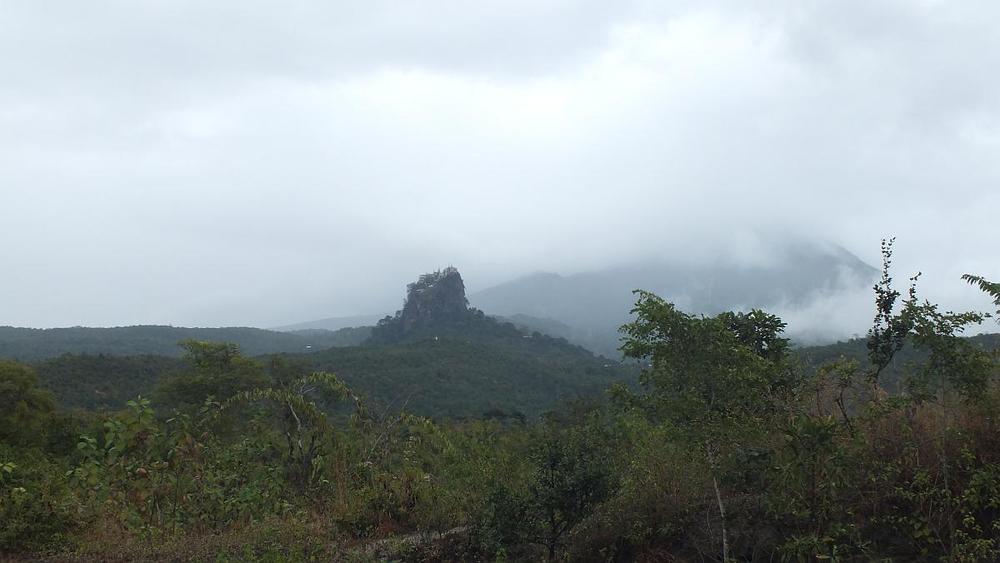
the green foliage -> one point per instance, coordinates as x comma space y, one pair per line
706, 374
25, 409
102, 382
155, 477
889, 330
717, 380
811, 490
990, 288
953, 363
567, 474
304, 424
218, 370
466, 369
36, 506
814, 358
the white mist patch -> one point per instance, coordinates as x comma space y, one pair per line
839, 315
842, 309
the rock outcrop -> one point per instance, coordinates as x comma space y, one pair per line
434, 299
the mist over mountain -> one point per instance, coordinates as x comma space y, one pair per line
587, 308
794, 280
332, 323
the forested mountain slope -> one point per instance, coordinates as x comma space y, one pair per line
437, 356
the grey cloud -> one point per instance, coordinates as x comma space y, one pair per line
256, 163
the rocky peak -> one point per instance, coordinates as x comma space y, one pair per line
435, 298
438, 296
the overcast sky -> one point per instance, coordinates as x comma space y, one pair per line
263, 163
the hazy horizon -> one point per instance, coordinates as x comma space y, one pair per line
233, 164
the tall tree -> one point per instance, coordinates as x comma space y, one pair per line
305, 425
713, 378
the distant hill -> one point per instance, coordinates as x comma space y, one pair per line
332, 323
30, 344
439, 356
497, 369
588, 308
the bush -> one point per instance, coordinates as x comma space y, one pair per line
37, 508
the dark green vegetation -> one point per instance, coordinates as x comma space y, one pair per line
909, 357
728, 449
32, 344
99, 382
438, 378
439, 358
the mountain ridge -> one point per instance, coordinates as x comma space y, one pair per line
31, 344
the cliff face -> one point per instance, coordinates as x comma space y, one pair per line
434, 299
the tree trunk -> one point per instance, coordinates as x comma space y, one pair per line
722, 506
722, 515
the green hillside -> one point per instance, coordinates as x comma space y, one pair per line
33, 344
470, 368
